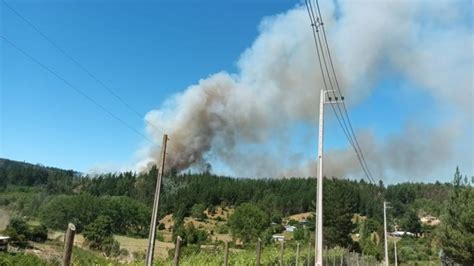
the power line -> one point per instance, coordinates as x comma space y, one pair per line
339, 89
82, 93
82, 67
341, 116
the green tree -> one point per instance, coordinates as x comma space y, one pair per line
18, 231
197, 211
457, 224
248, 222
39, 233
99, 236
299, 233
410, 222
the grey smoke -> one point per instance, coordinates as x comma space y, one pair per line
243, 120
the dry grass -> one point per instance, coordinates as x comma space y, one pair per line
140, 245
299, 216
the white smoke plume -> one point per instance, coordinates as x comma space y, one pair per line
243, 119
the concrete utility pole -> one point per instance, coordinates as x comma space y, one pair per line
156, 202
319, 195
385, 231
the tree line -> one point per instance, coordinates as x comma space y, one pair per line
121, 202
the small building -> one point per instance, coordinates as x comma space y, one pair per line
401, 233
279, 238
290, 228
4, 243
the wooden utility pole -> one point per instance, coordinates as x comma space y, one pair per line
156, 202
259, 249
226, 254
68, 244
177, 251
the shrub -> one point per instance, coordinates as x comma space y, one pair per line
39, 233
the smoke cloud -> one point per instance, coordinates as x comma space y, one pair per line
243, 120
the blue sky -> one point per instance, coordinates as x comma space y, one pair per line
146, 51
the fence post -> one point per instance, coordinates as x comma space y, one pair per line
309, 253
177, 251
282, 247
226, 254
68, 244
259, 249
297, 253
342, 257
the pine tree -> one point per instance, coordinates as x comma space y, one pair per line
457, 228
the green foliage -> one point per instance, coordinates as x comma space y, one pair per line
190, 235
410, 222
99, 236
197, 211
13, 259
129, 216
25, 174
410, 249
300, 234
370, 237
18, 231
457, 228
39, 233
338, 211
293, 222
248, 222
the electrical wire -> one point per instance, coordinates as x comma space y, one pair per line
82, 93
341, 116
339, 90
82, 67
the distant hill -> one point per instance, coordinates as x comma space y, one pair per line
27, 174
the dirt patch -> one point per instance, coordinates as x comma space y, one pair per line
300, 216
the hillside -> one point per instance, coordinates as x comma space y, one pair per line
202, 208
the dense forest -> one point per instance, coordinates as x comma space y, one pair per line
56, 197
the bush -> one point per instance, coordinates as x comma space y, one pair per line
197, 211
39, 233
7, 259
18, 232
99, 236
190, 235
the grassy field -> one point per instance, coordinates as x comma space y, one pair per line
4, 218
